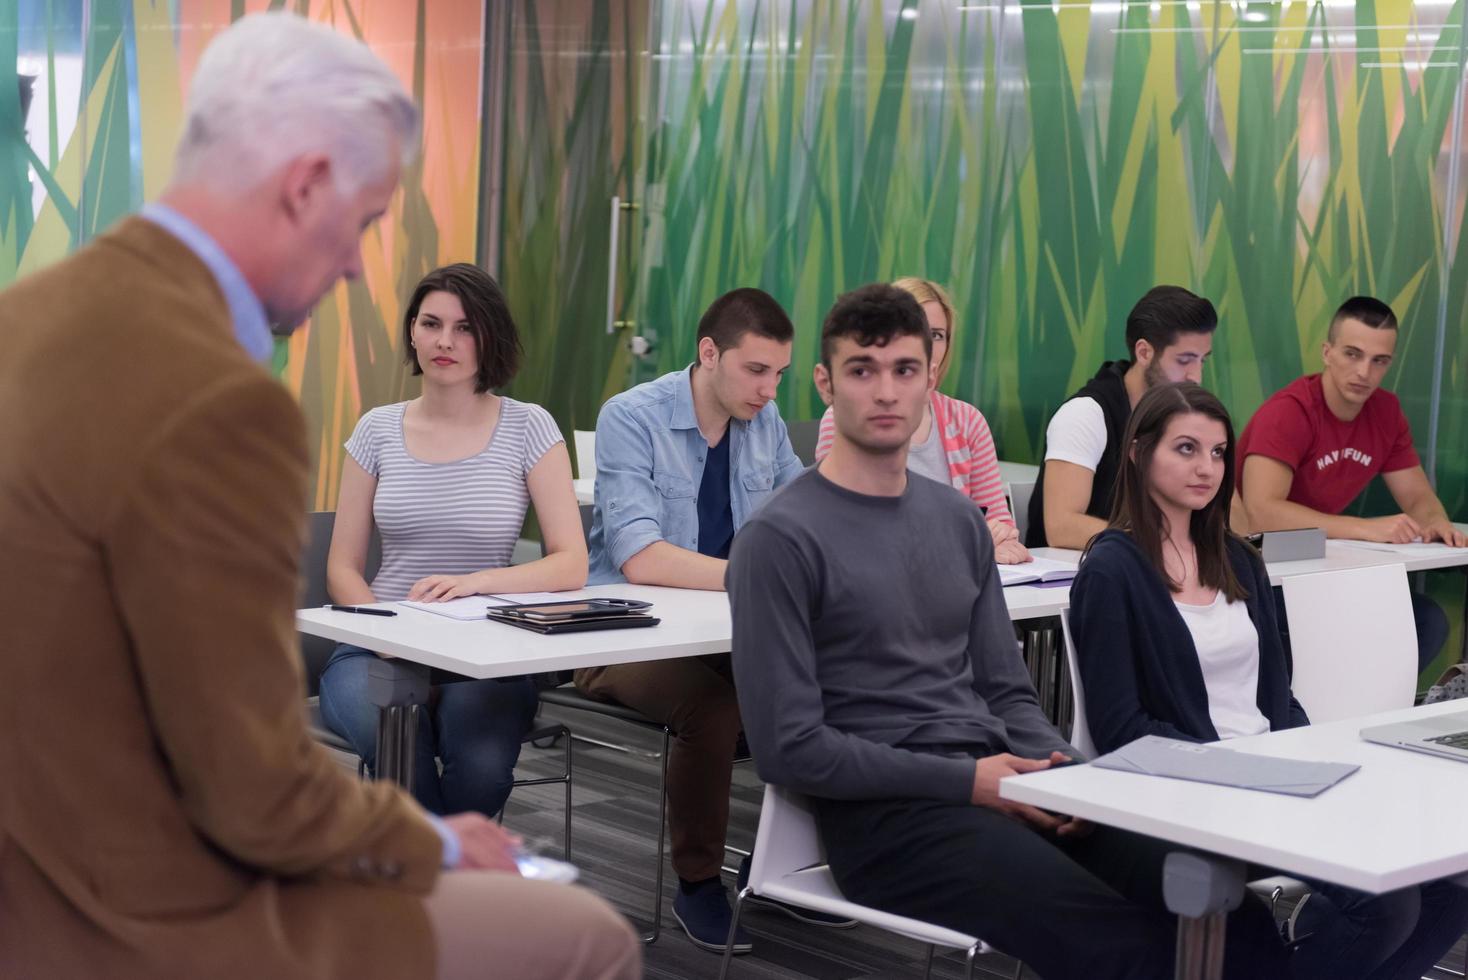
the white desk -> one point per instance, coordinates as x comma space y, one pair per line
1338, 556
1417, 557
1036, 601
694, 623
1398, 821
585, 491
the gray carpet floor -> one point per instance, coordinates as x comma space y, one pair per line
615, 816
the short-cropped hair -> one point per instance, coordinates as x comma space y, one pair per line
275, 86
1372, 312
874, 314
496, 340
742, 311
1163, 313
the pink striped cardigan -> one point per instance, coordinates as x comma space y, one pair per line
973, 466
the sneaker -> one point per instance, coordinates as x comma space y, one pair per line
705, 915
808, 916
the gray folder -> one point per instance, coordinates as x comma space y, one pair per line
1153, 755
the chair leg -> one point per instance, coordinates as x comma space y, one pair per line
569, 780
733, 928
657, 892
1019, 970
928, 962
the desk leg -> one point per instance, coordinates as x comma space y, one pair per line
399, 689
1201, 890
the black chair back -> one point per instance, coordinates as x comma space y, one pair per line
804, 435
316, 650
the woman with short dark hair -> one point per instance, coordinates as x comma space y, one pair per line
1176, 635
446, 479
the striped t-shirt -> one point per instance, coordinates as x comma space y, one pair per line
448, 518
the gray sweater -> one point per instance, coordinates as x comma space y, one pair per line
873, 654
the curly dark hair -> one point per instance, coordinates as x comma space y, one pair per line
874, 314
496, 339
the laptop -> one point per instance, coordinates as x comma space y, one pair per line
1444, 735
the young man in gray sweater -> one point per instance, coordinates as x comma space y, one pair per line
878, 674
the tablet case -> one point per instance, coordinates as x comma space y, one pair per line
620, 621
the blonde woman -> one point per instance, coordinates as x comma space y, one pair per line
952, 444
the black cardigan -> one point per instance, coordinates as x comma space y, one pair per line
1139, 668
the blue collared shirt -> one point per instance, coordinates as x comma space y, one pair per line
246, 312
649, 464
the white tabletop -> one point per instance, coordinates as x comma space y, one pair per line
1416, 557
1339, 555
1036, 601
585, 491
1397, 821
694, 623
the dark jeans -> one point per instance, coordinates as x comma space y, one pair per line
1396, 936
1427, 615
1089, 908
473, 726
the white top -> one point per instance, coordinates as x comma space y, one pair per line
449, 518
927, 459
1398, 821
1228, 652
1077, 433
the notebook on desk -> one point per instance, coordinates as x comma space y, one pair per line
474, 607
1038, 570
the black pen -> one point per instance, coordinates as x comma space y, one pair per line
364, 610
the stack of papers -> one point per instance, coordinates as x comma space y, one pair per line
1038, 570
475, 606
1417, 549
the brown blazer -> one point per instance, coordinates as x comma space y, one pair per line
163, 810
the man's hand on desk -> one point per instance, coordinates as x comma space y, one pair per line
1445, 532
1396, 529
486, 845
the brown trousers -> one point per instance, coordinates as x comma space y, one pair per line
695, 698
490, 924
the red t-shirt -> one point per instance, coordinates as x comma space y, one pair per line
1333, 460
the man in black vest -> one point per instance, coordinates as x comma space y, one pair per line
1169, 334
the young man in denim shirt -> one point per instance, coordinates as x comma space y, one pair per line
681, 463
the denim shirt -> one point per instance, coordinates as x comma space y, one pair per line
649, 464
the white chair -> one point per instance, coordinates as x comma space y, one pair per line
1348, 664
789, 865
585, 454
1080, 732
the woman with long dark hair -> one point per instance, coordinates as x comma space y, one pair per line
1176, 635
